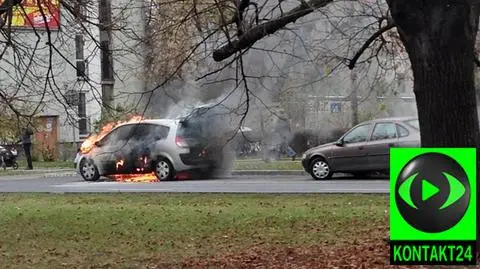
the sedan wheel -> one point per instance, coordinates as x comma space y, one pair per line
319, 169
88, 170
164, 170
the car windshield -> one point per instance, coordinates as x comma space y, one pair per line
413, 123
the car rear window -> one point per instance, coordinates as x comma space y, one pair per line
413, 123
191, 129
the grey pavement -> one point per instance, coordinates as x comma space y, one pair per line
62, 182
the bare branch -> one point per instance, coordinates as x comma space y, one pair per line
258, 32
6, 6
367, 44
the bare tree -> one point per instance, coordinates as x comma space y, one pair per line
422, 40
190, 32
42, 64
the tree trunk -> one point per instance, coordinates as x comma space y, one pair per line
477, 87
440, 38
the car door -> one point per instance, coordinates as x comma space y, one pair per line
145, 143
384, 136
112, 149
351, 154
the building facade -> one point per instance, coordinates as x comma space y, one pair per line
61, 83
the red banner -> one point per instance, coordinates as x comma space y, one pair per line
31, 15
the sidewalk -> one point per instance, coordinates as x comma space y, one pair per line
40, 170
36, 173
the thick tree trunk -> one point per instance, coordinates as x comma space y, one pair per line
446, 98
477, 87
439, 37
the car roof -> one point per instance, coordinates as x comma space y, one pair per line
166, 122
393, 119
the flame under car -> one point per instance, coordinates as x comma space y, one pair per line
147, 150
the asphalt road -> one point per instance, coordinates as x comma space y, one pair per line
230, 184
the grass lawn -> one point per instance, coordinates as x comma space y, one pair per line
41, 164
140, 230
10, 172
36, 165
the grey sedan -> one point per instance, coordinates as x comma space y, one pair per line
363, 149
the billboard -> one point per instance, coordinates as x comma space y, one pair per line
30, 16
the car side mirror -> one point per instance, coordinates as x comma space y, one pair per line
98, 143
339, 143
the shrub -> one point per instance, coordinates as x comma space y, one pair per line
302, 141
48, 154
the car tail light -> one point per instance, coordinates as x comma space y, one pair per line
180, 142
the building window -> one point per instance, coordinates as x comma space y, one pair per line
79, 9
79, 44
81, 62
82, 114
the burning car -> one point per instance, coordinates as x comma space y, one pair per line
147, 150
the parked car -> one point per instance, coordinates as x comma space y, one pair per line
162, 146
363, 149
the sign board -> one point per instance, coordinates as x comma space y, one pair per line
433, 206
335, 107
49, 125
38, 14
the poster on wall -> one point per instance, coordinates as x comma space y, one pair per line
31, 15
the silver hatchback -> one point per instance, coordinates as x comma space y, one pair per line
164, 147
363, 149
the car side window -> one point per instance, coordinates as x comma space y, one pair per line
124, 133
150, 132
357, 134
402, 131
140, 131
161, 132
384, 130
110, 137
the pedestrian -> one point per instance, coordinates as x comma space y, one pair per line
26, 139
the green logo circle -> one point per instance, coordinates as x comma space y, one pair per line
432, 192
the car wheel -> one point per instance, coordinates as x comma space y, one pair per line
164, 170
88, 170
320, 169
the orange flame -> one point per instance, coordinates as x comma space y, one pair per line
119, 164
89, 143
135, 177
150, 177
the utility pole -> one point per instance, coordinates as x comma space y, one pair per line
354, 98
106, 59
